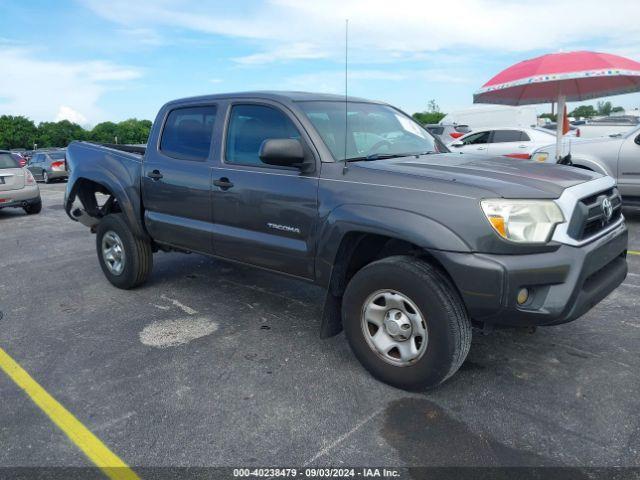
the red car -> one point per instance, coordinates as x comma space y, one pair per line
19, 158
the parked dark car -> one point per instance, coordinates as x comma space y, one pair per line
410, 245
48, 166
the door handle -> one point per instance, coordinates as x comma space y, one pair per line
155, 175
482, 148
223, 183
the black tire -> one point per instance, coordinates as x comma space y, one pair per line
34, 208
138, 261
447, 322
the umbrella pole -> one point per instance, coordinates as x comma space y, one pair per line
559, 125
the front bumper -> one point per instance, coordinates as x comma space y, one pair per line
20, 198
563, 284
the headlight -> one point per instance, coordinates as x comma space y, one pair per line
540, 157
523, 221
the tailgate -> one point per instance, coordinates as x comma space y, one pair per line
11, 179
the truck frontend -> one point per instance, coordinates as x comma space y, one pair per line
588, 262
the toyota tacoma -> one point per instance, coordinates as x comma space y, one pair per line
412, 245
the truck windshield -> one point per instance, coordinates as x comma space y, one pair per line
372, 131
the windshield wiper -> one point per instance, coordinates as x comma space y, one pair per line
428, 152
379, 156
384, 156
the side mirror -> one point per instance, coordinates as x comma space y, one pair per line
457, 143
282, 152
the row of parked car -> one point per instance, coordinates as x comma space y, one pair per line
616, 155
45, 165
19, 175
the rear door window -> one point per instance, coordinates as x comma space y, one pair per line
503, 136
187, 133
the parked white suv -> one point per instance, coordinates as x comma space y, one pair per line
509, 141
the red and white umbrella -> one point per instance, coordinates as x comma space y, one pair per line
561, 77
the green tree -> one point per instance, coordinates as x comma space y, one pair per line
133, 131
104, 132
128, 131
583, 111
431, 115
17, 132
59, 134
604, 108
617, 109
551, 116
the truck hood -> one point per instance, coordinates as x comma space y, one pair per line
505, 177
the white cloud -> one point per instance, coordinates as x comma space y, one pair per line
68, 113
333, 81
296, 51
48, 89
381, 29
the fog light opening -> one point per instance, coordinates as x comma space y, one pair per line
523, 296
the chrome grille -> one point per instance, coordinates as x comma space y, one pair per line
590, 215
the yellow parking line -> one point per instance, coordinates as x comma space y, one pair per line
633, 252
86, 441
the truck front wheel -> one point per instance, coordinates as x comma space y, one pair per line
125, 260
406, 323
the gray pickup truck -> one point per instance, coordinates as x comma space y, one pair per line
412, 244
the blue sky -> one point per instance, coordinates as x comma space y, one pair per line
95, 60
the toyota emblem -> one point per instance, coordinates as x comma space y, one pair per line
607, 209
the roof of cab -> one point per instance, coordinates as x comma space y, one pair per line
279, 96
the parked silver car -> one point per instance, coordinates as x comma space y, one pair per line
617, 156
49, 165
18, 188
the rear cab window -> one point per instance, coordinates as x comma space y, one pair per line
187, 133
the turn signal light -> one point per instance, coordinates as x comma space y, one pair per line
498, 224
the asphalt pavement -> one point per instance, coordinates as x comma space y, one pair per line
215, 364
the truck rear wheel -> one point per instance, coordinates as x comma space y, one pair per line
125, 260
406, 323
